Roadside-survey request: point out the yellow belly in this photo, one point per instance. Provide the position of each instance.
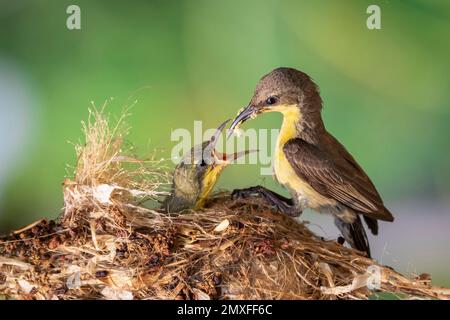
(283, 171)
(305, 195)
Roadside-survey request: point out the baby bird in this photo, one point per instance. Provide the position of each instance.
(197, 173)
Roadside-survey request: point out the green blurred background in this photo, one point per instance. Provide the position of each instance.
(386, 95)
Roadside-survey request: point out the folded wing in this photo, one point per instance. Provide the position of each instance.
(336, 177)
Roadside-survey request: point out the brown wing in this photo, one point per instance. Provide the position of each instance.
(338, 177)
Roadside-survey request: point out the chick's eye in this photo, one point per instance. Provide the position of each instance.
(271, 100)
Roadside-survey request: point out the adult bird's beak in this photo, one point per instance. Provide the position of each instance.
(244, 114)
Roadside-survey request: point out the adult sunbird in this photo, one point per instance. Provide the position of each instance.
(197, 173)
(310, 163)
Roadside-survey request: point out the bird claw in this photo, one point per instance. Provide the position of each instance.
(243, 193)
(270, 198)
(251, 192)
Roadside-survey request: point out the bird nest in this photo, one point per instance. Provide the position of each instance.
(108, 244)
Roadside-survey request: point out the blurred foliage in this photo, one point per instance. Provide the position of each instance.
(386, 92)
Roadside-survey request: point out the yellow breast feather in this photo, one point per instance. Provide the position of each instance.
(284, 173)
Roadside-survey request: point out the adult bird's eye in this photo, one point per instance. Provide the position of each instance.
(271, 100)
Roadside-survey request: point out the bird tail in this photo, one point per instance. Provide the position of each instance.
(372, 224)
(354, 234)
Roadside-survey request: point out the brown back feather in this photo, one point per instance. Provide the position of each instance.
(336, 175)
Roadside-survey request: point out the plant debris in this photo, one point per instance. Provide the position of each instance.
(107, 245)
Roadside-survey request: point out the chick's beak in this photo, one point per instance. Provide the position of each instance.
(216, 135)
(223, 159)
(248, 112)
(210, 151)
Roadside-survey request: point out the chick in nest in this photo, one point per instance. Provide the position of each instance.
(197, 173)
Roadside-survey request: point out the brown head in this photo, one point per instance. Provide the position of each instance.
(284, 90)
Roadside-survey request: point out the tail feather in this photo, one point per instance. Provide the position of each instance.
(372, 224)
(354, 234)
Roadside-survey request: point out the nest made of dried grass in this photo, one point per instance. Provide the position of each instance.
(107, 245)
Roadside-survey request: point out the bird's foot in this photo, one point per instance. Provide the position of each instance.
(280, 203)
(252, 192)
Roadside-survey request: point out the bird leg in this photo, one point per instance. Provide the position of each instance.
(282, 204)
